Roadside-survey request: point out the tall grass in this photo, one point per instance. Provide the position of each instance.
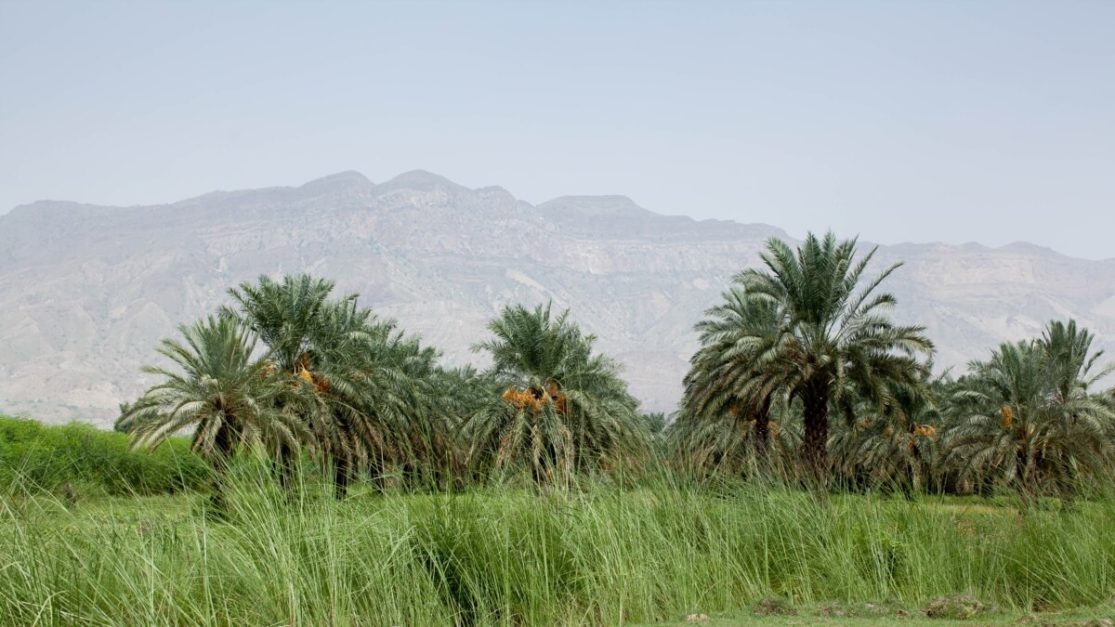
(653, 548)
(512, 557)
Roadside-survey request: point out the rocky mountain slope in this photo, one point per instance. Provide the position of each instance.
(86, 291)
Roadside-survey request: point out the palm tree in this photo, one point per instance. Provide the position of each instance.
(333, 383)
(722, 385)
(407, 414)
(1026, 417)
(362, 388)
(1071, 360)
(562, 408)
(893, 445)
(285, 315)
(217, 387)
(1081, 415)
(655, 422)
(997, 409)
(835, 342)
(458, 394)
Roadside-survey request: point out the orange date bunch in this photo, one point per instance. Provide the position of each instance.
(536, 398)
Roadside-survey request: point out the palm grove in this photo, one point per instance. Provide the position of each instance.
(801, 377)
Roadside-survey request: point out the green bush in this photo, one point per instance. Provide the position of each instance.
(39, 457)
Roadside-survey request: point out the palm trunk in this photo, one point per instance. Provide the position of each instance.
(342, 475)
(1026, 483)
(762, 437)
(915, 484)
(815, 397)
(285, 467)
(375, 473)
(222, 453)
(915, 466)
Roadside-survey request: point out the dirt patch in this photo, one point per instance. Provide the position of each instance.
(774, 607)
(959, 607)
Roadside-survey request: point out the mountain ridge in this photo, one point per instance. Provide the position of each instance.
(624, 202)
(87, 290)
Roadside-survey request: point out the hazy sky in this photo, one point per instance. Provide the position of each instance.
(900, 121)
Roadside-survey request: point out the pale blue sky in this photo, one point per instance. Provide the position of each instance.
(900, 121)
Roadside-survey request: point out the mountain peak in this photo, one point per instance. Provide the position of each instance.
(420, 180)
(338, 181)
(597, 206)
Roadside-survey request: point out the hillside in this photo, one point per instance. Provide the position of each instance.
(86, 291)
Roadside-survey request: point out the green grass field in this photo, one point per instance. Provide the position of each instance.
(489, 557)
(660, 553)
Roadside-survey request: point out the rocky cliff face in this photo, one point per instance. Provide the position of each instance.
(86, 291)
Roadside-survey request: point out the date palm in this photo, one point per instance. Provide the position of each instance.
(836, 341)
(997, 409)
(357, 383)
(285, 316)
(1026, 417)
(216, 385)
(893, 445)
(561, 408)
(1082, 419)
(457, 394)
(1072, 363)
(406, 414)
(337, 388)
(727, 402)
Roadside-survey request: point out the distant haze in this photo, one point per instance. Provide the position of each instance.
(943, 121)
(87, 291)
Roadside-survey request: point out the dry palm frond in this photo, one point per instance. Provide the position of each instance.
(1007, 416)
(925, 431)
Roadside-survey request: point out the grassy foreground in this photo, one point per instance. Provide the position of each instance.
(92, 533)
(487, 557)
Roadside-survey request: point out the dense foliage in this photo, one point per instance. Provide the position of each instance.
(562, 408)
(78, 460)
(801, 362)
(802, 376)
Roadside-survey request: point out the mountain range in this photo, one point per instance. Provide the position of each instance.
(86, 291)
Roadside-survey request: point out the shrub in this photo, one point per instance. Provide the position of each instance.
(39, 457)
